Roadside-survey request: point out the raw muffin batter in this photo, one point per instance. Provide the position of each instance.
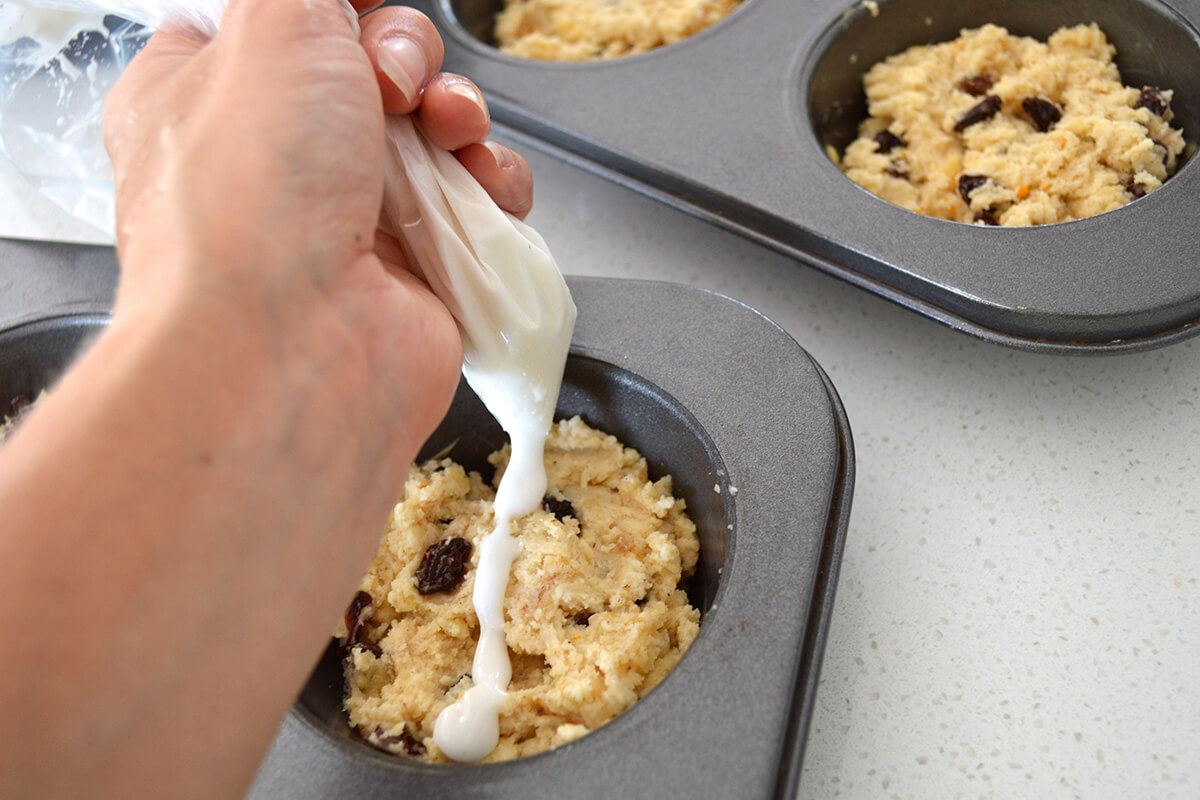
(587, 30)
(1002, 130)
(18, 407)
(596, 616)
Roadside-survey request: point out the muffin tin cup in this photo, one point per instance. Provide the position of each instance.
(731, 125)
(757, 443)
(34, 354)
(710, 392)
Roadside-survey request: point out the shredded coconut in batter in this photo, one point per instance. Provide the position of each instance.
(587, 30)
(595, 614)
(1002, 130)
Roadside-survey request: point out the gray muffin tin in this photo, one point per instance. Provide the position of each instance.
(730, 125)
(712, 393)
(35, 354)
(755, 438)
(53, 299)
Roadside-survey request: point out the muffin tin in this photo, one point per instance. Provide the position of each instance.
(35, 354)
(755, 438)
(731, 125)
(709, 391)
(53, 299)
(40, 280)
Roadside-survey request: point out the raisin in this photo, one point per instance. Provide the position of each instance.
(1151, 98)
(976, 85)
(18, 408)
(404, 743)
(19, 405)
(967, 184)
(1134, 188)
(985, 109)
(561, 509)
(898, 169)
(987, 217)
(373, 649)
(1042, 112)
(886, 141)
(357, 613)
(412, 745)
(443, 566)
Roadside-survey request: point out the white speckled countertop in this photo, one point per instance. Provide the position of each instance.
(1018, 612)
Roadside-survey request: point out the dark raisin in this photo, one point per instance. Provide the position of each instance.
(898, 169)
(19, 405)
(371, 648)
(976, 85)
(18, 408)
(987, 217)
(404, 743)
(967, 184)
(561, 509)
(886, 141)
(1152, 99)
(412, 745)
(357, 613)
(985, 109)
(1163, 154)
(443, 566)
(1042, 112)
(582, 618)
(1134, 188)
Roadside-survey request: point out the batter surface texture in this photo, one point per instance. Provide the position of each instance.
(595, 614)
(997, 129)
(17, 408)
(588, 30)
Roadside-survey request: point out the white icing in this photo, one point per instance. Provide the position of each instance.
(514, 311)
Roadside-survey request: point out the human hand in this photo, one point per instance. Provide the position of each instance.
(253, 165)
(217, 469)
(213, 118)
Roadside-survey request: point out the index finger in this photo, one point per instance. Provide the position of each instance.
(407, 52)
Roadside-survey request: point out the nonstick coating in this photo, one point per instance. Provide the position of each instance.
(667, 369)
(730, 125)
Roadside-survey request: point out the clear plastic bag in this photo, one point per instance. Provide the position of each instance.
(55, 69)
(58, 59)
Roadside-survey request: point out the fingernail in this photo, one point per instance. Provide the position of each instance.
(464, 88)
(502, 155)
(402, 60)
